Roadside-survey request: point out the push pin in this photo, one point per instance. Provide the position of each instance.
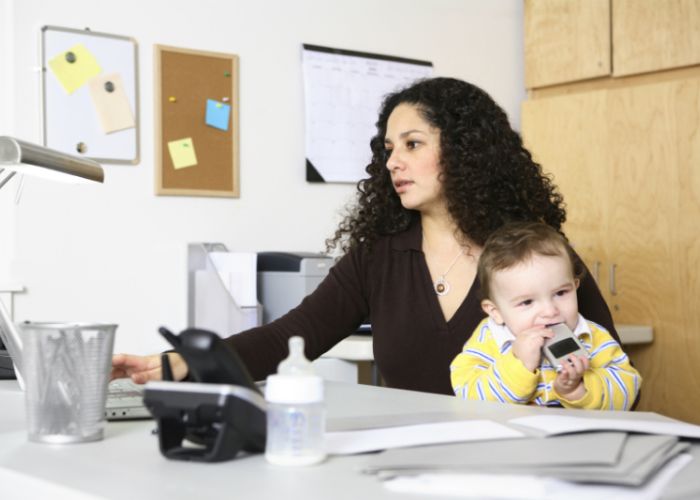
(172, 99)
(109, 87)
(227, 73)
(219, 105)
(225, 99)
(70, 57)
(81, 147)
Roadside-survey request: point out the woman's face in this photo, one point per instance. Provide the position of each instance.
(413, 151)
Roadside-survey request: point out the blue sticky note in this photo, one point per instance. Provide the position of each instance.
(218, 114)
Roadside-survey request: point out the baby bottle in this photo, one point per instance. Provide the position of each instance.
(295, 412)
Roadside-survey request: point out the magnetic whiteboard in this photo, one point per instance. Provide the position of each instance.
(70, 120)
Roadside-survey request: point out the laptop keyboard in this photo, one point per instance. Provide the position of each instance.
(123, 391)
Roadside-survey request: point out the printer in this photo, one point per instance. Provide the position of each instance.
(285, 278)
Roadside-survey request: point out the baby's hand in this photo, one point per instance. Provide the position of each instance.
(569, 381)
(527, 346)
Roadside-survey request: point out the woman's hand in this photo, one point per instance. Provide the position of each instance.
(569, 381)
(141, 369)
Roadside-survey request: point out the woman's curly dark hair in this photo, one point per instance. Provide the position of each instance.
(488, 177)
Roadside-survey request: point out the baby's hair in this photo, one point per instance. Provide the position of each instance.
(516, 242)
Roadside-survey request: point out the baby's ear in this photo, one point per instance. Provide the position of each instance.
(577, 282)
(491, 309)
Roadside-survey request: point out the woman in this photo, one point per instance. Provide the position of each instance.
(446, 171)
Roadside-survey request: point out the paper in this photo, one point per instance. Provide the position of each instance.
(74, 67)
(602, 448)
(523, 487)
(348, 442)
(111, 103)
(555, 424)
(182, 153)
(596, 458)
(239, 272)
(218, 114)
(342, 95)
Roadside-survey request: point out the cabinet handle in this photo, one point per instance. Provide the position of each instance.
(596, 271)
(611, 283)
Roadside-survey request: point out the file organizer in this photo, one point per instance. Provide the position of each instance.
(210, 304)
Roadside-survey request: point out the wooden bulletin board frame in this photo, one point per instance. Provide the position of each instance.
(184, 80)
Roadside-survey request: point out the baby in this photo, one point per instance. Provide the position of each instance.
(528, 282)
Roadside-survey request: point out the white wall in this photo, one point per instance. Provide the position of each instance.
(115, 252)
(7, 206)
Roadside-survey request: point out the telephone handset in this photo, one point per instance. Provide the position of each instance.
(222, 411)
(209, 358)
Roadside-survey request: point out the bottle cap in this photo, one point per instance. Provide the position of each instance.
(295, 381)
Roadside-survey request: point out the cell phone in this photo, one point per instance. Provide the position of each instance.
(562, 345)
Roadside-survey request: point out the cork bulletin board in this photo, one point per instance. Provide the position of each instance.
(197, 127)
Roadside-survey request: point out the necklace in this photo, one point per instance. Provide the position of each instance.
(441, 286)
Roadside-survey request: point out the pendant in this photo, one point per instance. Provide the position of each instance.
(441, 286)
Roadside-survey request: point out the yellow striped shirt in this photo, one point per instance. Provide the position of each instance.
(487, 370)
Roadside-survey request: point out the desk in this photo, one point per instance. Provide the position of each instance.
(128, 465)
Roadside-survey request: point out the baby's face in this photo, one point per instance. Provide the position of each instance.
(537, 292)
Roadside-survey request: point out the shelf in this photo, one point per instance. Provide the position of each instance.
(635, 334)
(353, 348)
(359, 347)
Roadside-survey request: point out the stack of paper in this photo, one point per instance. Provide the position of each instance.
(583, 457)
(602, 457)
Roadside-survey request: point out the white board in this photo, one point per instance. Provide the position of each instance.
(71, 119)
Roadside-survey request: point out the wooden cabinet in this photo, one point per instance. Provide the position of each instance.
(654, 35)
(573, 40)
(566, 41)
(626, 160)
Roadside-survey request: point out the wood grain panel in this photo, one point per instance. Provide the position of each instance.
(656, 160)
(568, 143)
(566, 41)
(627, 161)
(654, 35)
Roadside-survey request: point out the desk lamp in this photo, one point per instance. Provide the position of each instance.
(25, 158)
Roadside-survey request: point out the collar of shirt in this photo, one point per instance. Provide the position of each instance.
(502, 334)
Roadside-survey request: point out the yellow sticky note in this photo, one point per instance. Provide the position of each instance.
(182, 153)
(74, 67)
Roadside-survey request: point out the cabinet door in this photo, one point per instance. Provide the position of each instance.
(626, 160)
(652, 36)
(566, 41)
(568, 136)
(655, 237)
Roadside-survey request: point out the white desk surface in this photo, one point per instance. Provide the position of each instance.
(128, 465)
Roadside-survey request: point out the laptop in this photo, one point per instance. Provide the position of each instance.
(124, 398)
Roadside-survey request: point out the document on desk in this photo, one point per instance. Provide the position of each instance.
(559, 424)
(361, 441)
(521, 486)
(599, 458)
(599, 449)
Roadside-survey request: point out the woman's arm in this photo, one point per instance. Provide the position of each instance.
(324, 318)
